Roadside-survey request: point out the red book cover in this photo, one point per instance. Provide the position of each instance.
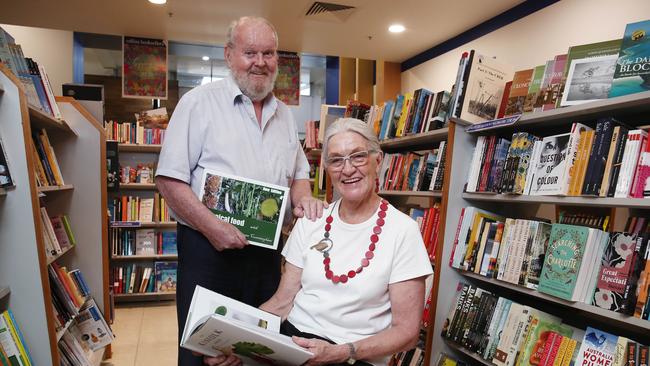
(434, 235)
(487, 164)
(460, 223)
(504, 100)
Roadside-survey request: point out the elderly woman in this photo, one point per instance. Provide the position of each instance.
(353, 285)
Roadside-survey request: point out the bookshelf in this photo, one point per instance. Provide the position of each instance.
(78, 143)
(131, 155)
(629, 109)
(424, 141)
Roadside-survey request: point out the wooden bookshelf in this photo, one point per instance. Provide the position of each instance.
(168, 257)
(436, 194)
(139, 148)
(40, 120)
(476, 359)
(559, 200)
(56, 257)
(3, 192)
(66, 187)
(138, 186)
(421, 140)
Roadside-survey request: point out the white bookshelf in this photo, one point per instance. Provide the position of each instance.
(78, 142)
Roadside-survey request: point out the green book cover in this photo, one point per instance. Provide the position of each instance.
(632, 74)
(586, 51)
(563, 259)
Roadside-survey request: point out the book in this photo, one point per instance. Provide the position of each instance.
(145, 242)
(91, 328)
(11, 342)
(534, 88)
(255, 208)
(485, 87)
(169, 243)
(563, 260)
(5, 175)
(616, 264)
(218, 325)
(518, 92)
(632, 74)
(597, 348)
(154, 118)
(165, 276)
(579, 56)
(550, 169)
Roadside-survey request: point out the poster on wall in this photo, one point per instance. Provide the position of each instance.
(144, 68)
(287, 84)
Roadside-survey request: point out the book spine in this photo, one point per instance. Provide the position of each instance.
(592, 160)
(617, 162)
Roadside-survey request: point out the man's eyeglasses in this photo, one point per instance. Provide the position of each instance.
(357, 159)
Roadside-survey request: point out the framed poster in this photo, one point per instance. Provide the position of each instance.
(144, 68)
(287, 84)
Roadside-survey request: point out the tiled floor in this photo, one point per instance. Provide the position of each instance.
(145, 335)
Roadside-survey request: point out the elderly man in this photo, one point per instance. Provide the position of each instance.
(234, 126)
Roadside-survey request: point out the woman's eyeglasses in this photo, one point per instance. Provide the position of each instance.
(357, 159)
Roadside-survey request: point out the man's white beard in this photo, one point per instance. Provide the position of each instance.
(250, 89)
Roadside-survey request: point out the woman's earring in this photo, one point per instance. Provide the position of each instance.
(376, 185)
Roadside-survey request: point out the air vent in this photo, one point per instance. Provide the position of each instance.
(329, 11)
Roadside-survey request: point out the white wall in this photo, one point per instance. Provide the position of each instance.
(50, 48)
(308, 110)
(532, 40)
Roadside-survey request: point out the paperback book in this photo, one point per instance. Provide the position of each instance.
(253, 207)
(632, 74)
(218, 325)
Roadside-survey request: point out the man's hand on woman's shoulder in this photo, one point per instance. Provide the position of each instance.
(310, 207)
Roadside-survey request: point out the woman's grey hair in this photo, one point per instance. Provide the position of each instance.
(232, 29)
(351, 125)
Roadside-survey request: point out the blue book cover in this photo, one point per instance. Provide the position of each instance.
(563, 260)
(386, 119)
(165, 276)
(632, 74)
(420, 111)
(169, 242)
(597, 348)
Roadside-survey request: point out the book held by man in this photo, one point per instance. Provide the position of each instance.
(218, 325)
(255, 208)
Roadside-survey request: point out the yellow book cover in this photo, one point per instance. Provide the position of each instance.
(408, 98)
(576, 165)
(54, 164)
(41, 177)
(567, 357)
(562, 351)
(584, 162)
(477, 224)
(16, 338)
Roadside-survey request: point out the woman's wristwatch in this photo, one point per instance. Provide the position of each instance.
(353, 354)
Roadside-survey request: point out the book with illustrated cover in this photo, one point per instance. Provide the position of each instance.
(485, 86)
(155, 118)
(534, 88)
(563, 260)
(145, 242)
(597, 348)
(632, 73)
(169, 242)
(253, 207)
(614, 271)
(91, 328)
(550, 168)
(518, 92)
(165, 276)
(218, 325)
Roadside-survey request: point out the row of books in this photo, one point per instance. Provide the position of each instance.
(5, 175)
(69, 293)
(486, 89)
(135, 278)
(410, 113)
(414, 171)
(125, 242)
(32, 76)
(448, 360)
(13, 348)
(134, 208)
(88, 333)
(575, 263)
(507, 333)
(133, 133)
(428, 220)
(57, 233)
(610, 161)
(46, 166)
(311, 135)
(141, 173)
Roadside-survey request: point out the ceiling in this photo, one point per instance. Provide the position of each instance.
(361, 32)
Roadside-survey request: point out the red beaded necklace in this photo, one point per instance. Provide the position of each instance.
(365, 261)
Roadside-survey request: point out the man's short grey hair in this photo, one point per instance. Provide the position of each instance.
(232, 29)
(351, 125)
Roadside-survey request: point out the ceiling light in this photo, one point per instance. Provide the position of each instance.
(158, 2)
(205, 58)
(396, 28)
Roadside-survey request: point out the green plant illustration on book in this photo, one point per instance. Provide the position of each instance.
(255, 351)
